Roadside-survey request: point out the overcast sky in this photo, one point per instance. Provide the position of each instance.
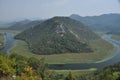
(37, 9)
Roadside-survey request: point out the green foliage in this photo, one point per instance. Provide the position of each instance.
(7, 66)
(108, 73)
(2, 40)
(33, 62)
(16, 67)
(70, 77)
(18, 57)
(33, 69)
(58, 35)
(22, 67)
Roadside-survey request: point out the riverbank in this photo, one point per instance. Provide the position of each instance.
(9, 42)
(111, 53)
(109, 56)
(68, 61)
(3, 38)
(116, 37)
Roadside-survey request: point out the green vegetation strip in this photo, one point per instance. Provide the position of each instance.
(76, 72)
(2, 40)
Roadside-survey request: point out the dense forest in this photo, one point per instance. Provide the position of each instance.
(21, 68)
(17, 67)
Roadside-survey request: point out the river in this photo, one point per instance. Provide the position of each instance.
(74, 66)
(9, 42)
(77, 66)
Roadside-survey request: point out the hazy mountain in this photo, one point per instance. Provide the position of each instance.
(58, 35)
(106, 22)
(5, 24)
(25, 24)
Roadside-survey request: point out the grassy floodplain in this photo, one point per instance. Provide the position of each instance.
(101, 52)
(116, 37)
(75, 72)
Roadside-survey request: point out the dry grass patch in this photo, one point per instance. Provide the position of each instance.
(116, 37)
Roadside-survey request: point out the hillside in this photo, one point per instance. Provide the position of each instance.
(105, 22)
(58, 35)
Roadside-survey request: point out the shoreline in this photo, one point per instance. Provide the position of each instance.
(90, 62)
(109, 57)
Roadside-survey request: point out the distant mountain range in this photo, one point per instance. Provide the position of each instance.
(25, 24)
(106, 22)
(19, 25)
(58, 35)
(4, 25)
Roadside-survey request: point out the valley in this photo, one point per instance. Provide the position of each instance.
(22, 48)
(100, 53)
(59, 39)
(66, 45)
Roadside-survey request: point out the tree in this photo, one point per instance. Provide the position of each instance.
(29, 74)
(70, 77)
(7, 66)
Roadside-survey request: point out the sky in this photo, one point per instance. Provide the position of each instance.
(42, 9)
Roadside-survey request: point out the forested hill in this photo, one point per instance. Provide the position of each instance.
(105, 22)
(58, 35)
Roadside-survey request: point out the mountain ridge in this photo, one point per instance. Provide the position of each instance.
(105, 22)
